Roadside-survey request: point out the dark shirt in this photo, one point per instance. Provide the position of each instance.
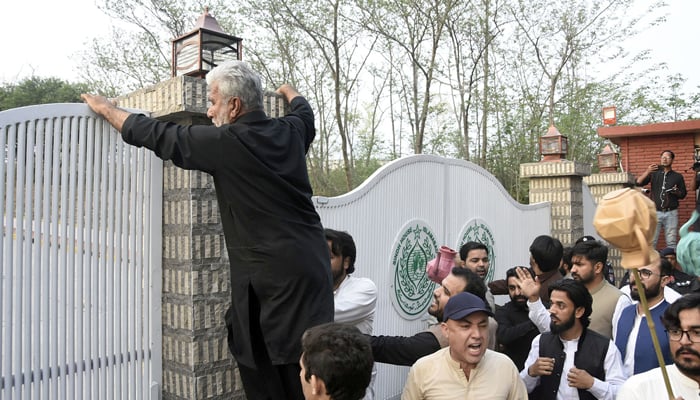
(277, 250)
(662, 182)
(546, 279)
(403, 350)
(515, 332)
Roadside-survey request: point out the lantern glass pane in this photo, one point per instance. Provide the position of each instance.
(217, 49)
(187, 56)
(550, 145)
(605, 161)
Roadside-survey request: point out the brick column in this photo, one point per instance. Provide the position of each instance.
(560, 183)
(600, 185)
(196, 293)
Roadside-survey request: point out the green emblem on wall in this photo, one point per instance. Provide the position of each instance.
(413, 291)
(477, 230)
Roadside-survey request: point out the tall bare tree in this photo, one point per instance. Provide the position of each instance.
(417, 28)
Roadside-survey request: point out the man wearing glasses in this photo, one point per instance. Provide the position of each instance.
(631, 332)
(682, 322)
(667, 187)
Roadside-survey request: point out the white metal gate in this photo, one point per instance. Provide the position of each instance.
(81, 258)
(452, 200)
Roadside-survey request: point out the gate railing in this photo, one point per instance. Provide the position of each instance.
(81, 258)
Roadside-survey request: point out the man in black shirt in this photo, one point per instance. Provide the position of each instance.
(667, 187)
(515, 329)
(280, 274)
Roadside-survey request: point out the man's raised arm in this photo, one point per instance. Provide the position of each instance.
(106, 109)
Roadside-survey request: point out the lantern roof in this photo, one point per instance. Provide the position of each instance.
(552, 131)
(206, 21)
(607, 150)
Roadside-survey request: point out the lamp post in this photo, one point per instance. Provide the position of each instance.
(553, 145)
(198, 52)
(608, 160)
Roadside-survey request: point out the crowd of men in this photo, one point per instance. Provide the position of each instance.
(300, 324)
(578, 338)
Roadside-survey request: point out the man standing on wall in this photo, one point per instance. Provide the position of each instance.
(280, 273)
(667, 187)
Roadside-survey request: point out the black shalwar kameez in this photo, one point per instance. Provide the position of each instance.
(280, 275)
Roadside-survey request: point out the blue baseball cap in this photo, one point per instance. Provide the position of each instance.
(464, 304)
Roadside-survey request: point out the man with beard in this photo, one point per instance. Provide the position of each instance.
(631, 332)
(475, 256)
(588, 260)
(406, 350)
(679, 282)
(466, 369)
(572, 361)
(682, 322)
(354, 299)
(515, 330)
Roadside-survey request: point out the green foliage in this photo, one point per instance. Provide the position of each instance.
(653, 96)
(479, 80)
(35, 90)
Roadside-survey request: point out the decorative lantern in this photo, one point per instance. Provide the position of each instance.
(198, 52)
(553, 145)
(609, 115)
(608, 160)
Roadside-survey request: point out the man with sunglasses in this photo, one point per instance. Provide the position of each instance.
(682, 322)
(631, 332)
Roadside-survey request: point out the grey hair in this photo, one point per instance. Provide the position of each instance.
(236, 79)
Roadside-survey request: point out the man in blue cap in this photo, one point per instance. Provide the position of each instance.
(441, 375)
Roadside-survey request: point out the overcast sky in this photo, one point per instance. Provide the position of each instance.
(42, 37)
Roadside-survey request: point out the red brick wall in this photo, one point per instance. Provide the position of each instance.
(638, 152)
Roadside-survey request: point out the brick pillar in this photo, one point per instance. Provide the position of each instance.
(196, 293)
(600, 185)
(560, 183)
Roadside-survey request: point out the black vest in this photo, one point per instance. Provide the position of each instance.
(590, 356)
